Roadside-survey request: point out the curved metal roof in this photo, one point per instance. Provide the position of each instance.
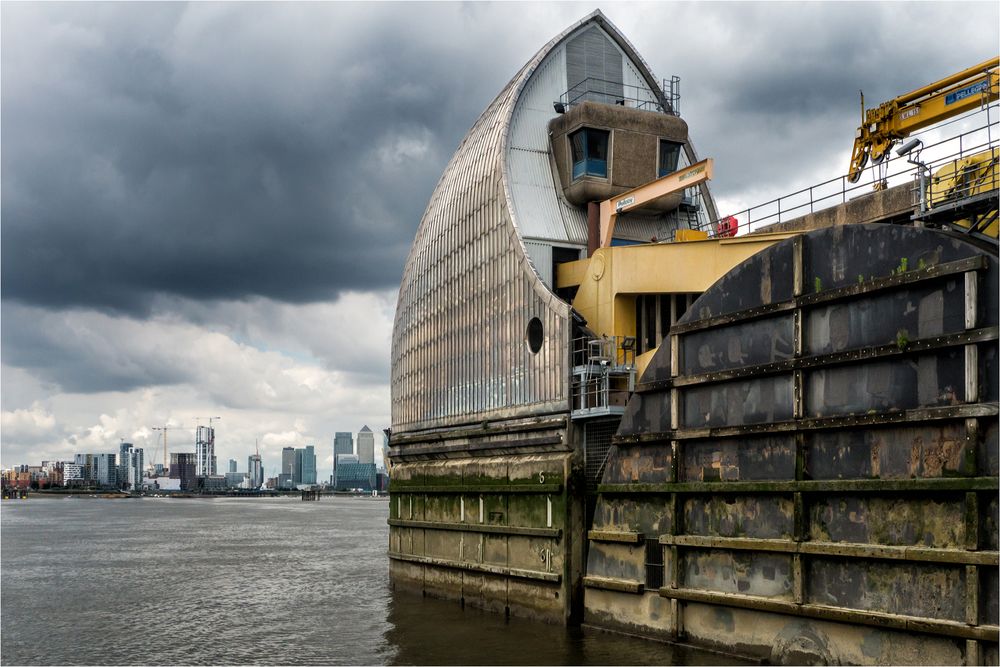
(460, 350)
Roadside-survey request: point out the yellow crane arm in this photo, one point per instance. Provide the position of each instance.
(891, 121)
(681, 179)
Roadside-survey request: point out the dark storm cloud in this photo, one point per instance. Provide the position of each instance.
(223, 151)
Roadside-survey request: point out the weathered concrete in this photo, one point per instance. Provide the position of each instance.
(894, 204)
(488, 526)
(633, 150)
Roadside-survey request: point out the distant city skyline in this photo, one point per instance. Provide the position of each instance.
(131, 462)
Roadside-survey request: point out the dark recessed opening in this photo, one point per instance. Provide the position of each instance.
(534, 335)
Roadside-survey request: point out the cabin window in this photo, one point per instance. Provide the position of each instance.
(670, 152)
(589, 148)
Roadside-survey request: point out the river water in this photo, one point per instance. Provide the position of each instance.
(90, 581)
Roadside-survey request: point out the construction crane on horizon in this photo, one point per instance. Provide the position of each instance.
(164, 429)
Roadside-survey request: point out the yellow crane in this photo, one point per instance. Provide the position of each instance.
(897, 118)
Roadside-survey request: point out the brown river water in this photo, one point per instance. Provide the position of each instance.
(240, 581)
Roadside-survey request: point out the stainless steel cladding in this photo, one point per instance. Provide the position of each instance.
(478, 334)
(460, 342)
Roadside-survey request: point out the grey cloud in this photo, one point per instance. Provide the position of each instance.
(226, 151)
(770, 90)
(208, 162)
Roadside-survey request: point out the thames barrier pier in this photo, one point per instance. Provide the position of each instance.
(612, 406)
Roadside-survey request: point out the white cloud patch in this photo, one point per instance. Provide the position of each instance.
(30, 425)
(280, 374)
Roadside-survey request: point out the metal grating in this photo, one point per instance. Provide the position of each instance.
(597, 445)
(654, 564)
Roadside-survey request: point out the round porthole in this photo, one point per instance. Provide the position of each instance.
(534, 335)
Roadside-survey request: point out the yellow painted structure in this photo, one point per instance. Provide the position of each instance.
(968, 177)
(895, 119)
(690, 235)
(648, 193)
(609, 281)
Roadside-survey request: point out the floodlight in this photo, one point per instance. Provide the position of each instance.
(909, 146)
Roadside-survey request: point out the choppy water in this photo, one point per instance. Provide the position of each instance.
(246, 581)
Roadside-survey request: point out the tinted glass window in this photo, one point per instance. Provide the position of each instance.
(589, 149)
(670, 152)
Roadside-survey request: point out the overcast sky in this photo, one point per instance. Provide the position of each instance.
(206, 207)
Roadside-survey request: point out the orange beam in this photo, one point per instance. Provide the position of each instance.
(684, 178)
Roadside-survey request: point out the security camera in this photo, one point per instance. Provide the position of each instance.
(909, 146)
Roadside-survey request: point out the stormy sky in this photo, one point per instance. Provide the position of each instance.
(206, 207)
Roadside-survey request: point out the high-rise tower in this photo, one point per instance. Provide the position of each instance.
(366, 445)
(343, 443)
(204, 447)
(255, 471)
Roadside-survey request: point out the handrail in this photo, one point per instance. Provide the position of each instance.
(593, 87)
(837, 190)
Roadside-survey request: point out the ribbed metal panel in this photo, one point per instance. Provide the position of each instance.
(636, 85)
(533, 186)
(468, 292)
(637, 226)
(536, 202)
(533, 111)
(541, 257)
(591, 54)
(575, 220)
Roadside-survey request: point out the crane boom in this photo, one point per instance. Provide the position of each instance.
(897, 118)
(166, 428)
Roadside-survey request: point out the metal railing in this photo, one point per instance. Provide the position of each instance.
(612, 351)
(960, 178)
(897, 170)
(604, 91)
(603, 375)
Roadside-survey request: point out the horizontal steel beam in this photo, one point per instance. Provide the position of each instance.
(483, 430)
(477, 488)
(838, 549)
(809, 486)
(975, 263)
(835, 359)
(819, 423)
(839, 614)
(614, 536)
(613, 584)
(491, 529)
(499, 570)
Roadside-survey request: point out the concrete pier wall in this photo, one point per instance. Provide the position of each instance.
(490, 517)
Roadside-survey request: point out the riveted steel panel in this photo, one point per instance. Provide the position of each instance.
(836, 416)
(916, 589)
